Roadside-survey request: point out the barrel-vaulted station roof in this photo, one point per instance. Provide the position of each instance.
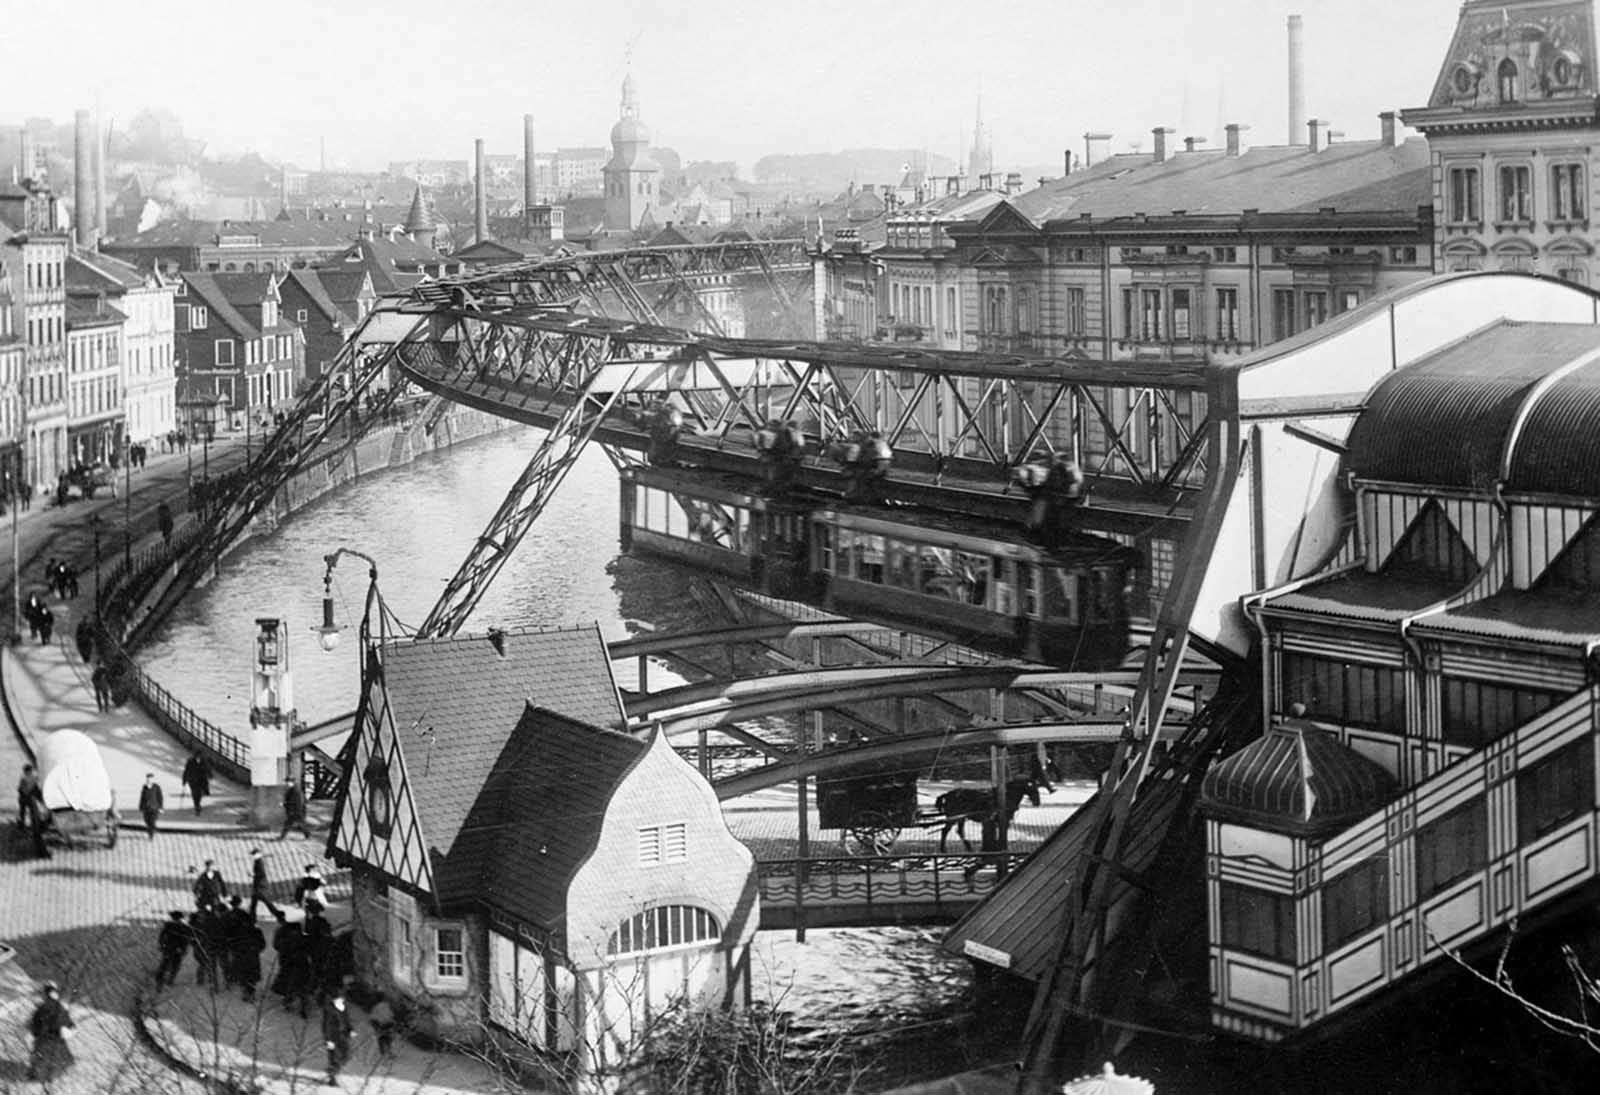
(1517, 396)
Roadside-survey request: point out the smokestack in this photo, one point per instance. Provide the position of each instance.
(1160, 132)
(99, 163)
(530, 186)
(25, 157)
(481, 193)
(82, 188)
(1391, 136)
(1297, 81)
(1066, 163)
(1234, 129)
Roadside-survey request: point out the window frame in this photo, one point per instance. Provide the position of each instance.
(436, 978)
(1464, 194)
(1568, 180)
(1227, 297)
(1354, 902)
(1514, 203)
(217, 352)
(1257, 922)
(1554, 790)
(1440, 848)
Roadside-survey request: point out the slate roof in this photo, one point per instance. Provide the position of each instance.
(539, 815)
(1297, 779)
(1348, 175)
(272, 233)
(311, 284)
(226, 293)
(456, 704)
(91, 270)
(82, 313)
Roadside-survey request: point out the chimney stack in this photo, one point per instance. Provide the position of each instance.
(1319, 134)
(99, 162)
(1013, 182)
(1160, 132)
(480, 193)
(1297, 81)
(1191, 143)
(1390, 134)
(1095, 146)
(26, 156)
(1235, 145)
(1066, 163)
(530, 185)
(82, 188)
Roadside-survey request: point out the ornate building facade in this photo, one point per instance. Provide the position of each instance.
(1513, 127)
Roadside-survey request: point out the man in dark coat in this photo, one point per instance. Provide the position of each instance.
(236, 926)
(174, 942)
(197, 777)
(259, 884)
(248, 943)
(83, 637)
(293, 981)
(30, 796)
(308, 892)
(336, 1033)
(50, 1026)
(209, 888)
(206, 924)
(164, 522)
(294, 810)
(151, 803)
(100, 680)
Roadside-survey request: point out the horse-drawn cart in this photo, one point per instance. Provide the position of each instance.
(872, 810)
(78, 803)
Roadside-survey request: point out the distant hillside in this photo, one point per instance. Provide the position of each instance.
(831, 172)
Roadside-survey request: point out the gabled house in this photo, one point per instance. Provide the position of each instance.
(395, 265)
(523, 871)
(234, 344)
(146, 297)
(328, 305)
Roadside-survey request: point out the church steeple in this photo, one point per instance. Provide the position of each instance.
(420, 224)
(631, 175)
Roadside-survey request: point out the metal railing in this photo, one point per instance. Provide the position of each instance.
(936, 884)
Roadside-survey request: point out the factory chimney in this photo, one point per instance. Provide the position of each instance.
(101, 137)
(26, 156)
(1297, 81)
(481, 193)
(82, 188)
(530, 185)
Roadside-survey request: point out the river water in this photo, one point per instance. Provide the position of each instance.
(886, 988)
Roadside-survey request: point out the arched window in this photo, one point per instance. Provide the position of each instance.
(1508, 81)
(663, 927)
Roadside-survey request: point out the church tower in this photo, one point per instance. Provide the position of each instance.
(1513, 127)
(631, 176)
(420, 224)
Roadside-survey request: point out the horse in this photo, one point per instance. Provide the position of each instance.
(962, 804)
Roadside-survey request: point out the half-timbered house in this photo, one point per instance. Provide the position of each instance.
(522, 869)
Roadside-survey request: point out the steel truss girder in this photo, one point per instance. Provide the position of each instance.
(318, 414)
(526, 499)
(1137, 434)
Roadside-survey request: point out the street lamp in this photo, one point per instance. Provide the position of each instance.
(328, 633)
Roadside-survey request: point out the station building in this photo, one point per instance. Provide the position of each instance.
(523, 872)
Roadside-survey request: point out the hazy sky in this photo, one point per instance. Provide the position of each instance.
(719, 79)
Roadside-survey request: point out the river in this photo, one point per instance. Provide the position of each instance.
(889, 987)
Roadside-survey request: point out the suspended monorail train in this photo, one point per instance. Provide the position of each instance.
(980, 583)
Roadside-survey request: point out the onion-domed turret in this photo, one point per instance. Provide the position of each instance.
(630, 174)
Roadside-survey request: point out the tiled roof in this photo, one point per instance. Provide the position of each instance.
(216, 299)
(1347, 175)
(539, 815)
(1295, 779)
(1444, 420)
(310, 283)
(272, 233)
(456, 702)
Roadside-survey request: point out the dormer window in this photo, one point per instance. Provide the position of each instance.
(1507, 75)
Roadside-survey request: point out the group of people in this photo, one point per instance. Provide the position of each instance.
(61, 577)
(866, 458)
(780, 446)
(41, 621)
(222, 935)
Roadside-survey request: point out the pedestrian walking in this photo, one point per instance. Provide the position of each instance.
(259, 884)
(69, 581)
(50, 1026)
(293, 981)
(325, 974)
(308, 892)
(100, 680)
(197, 777)
(47, 624)
(337, 1032)
(236, 925)
(209, 888)
(83, 637)
(30, 797)
(151, 803)
(173, 942)
(52, 575)
(383, 1025)
(164, 522)
(294, 811)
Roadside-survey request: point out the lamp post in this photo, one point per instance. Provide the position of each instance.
(328, 633)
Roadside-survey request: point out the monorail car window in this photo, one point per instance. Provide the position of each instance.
(824, 536)
(1062, 594)
(869, 560)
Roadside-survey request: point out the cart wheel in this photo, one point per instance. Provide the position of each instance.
(871, 832)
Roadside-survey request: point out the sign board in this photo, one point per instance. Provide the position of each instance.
(986, 954)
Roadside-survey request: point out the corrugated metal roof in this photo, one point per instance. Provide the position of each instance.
(1558, 616)
(1295, 779)
(1372, 598)
(1557, 451)
(1443, 420)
